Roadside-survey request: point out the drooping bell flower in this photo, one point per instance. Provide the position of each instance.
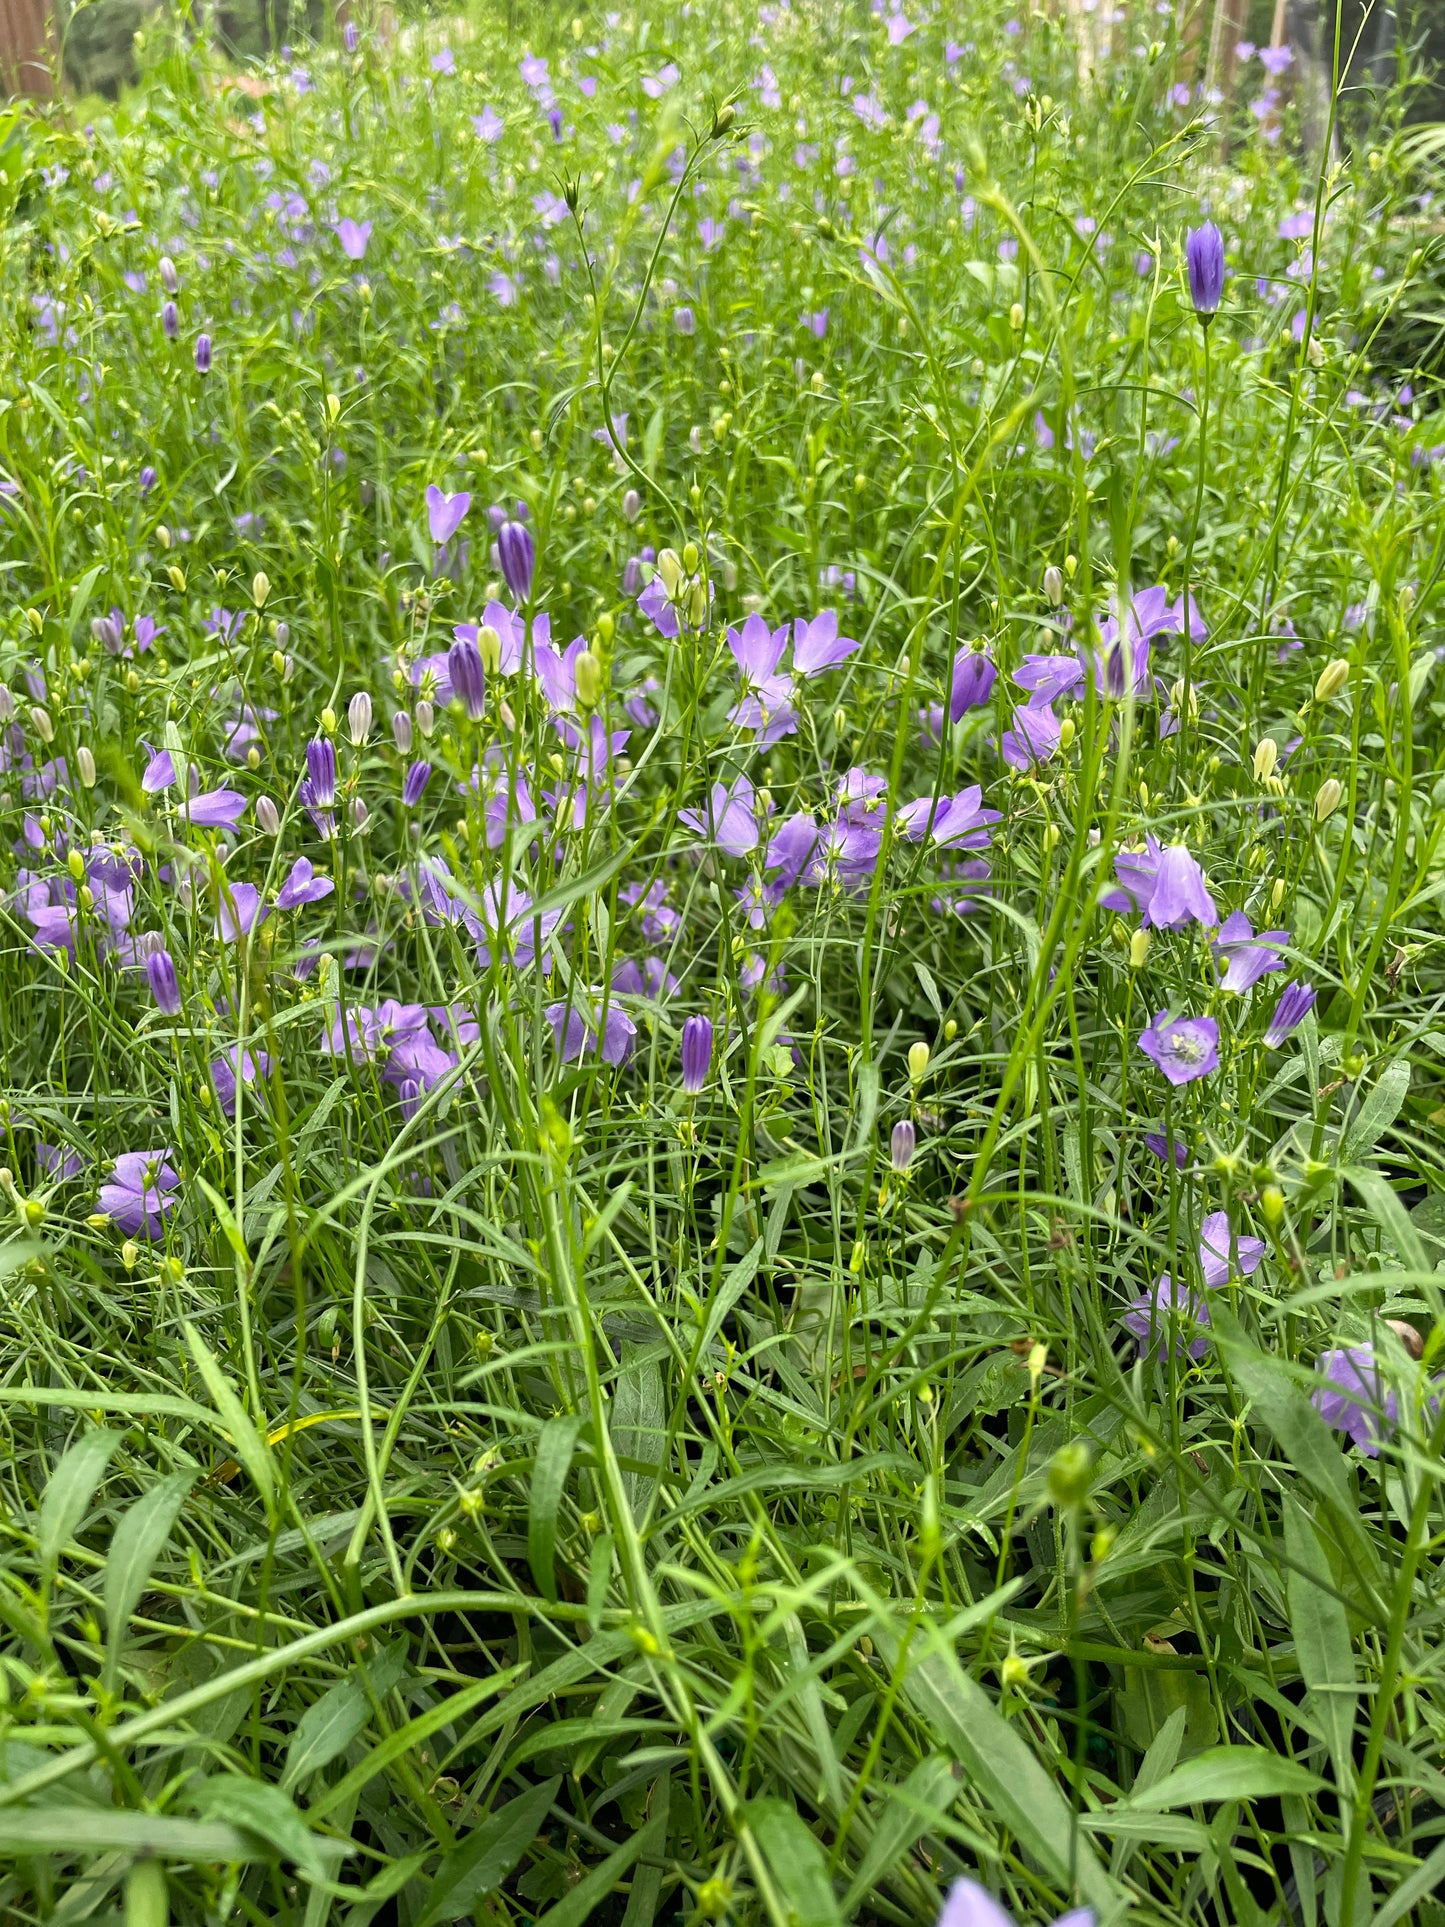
(164, 984)
(1296, 1001)
(974, 672)
(1179, 895)
(203, 354)
(696, 1053)
(517, 554)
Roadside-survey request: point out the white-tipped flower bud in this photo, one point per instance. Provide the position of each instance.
(1332, 680)
(358, 718)
(426, 720)
(1266, 758)
(85, 762)
(489, 648)
(268, 816)
(1054, 584)
(260, 588)
(44, 728)
(1327, 798)
(401, 731)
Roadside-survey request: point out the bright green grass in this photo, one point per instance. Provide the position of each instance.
(575, 1501)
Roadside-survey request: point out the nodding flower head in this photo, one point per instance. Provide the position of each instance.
(517, 554)
(696, 1053)
(321, 769)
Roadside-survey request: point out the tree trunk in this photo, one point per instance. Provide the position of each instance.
(26, 48)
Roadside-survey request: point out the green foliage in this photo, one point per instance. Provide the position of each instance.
(498, 1483)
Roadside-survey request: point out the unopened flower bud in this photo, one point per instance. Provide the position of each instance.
(177, 577)
(75, 863)
(260, 588)
(358, 718)
(902, 1143)
(1138, 949)
(268, 816)
(631, 505)
(1067, 732)
(129, 1253)
(1271, 1203)
(1327, 798)
(85, 762)
(1266, 757)
(1054, 584)
(1332, 679)
(1276, 893)
(1014, 1673)
(401, 731)
(489, 648)
(426, 720)
(918, 1055)
(1069, 1475)
(588, 671)
(44, 728)
(7, 704)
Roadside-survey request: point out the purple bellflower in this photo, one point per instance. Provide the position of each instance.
(164, 984)
(1204, 254)
(729, 818)
(1296, 1001)
(223, 1074)
(1351, 1397)
(1184, 1048)
(140, 1195)
(972, 681)
(517, 554)
(1245, 957)
(302, 886)
(203, 354)
(1150, 1316)
(970, 1905)
(1179, 895)
(414, 787)
(445, 512)
(353, 236)
(696, 1053)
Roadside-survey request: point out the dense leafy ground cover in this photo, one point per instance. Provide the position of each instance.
(743, 1266)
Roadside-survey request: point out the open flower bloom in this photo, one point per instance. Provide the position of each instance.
(609, 1032)
(1244, 957)
(1352, 1397)
(970, 1905)
(445, 512)
(1033, 739)
(140, 1194)
(1214, 1252)
(1184, 1048)
(1151, 1316)
(252, 1064)
(730, 820)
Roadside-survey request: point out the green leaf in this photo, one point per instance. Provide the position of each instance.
(485, 1858)
(728, 1293)
(796, 1861)
(134, 1549)
(246, 1441)
(637, 1422)
(1321, 1629)
(330, 1724)
(549, 1478)
(911, 1810)
(594, 1887)
(1379, 1110)
(69, 1492)
(1002, 1767)
(1225, 1773)
(267, 1813)
(94, 1830)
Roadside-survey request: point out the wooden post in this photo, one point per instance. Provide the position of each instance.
(26, 49)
